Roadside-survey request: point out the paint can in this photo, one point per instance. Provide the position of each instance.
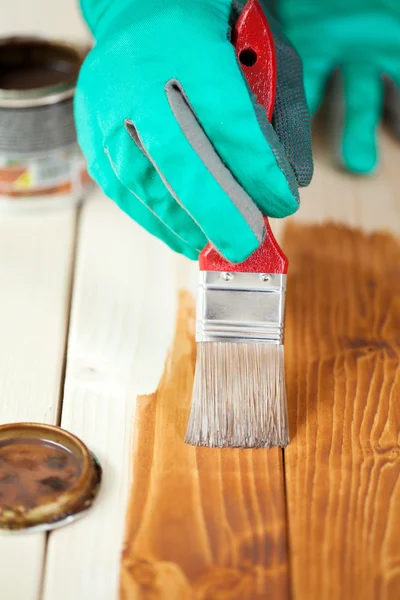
(40, 161)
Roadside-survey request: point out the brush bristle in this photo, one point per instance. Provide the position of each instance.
(239, 396)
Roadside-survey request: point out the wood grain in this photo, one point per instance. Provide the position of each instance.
(342, 359)
(201, 523)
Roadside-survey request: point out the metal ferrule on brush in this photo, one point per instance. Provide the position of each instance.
(240, 307)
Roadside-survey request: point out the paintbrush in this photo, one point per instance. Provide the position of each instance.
(239, 393)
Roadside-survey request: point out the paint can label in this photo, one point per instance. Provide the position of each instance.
(46, 174)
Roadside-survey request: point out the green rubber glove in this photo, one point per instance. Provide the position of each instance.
(170, 132)
(360, 39)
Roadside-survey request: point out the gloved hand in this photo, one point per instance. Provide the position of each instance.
(170, 132)
(362, 39)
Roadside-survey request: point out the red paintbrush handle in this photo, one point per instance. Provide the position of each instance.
(254, 45)
(268, 258)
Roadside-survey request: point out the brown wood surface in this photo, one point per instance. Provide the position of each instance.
(209, 524)
(342, 468)
(201, 523)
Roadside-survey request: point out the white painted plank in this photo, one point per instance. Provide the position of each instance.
(35, 268)
(21, 566)
(123, 318)
(35, 258)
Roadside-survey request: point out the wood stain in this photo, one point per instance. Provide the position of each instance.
(202, 523)
(342, 356)
(205, 523)
(39, 155)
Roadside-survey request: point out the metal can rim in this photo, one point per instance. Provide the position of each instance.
(41, 96)
(69, 504)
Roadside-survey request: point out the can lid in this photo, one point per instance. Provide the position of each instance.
(37, 72)
(47, 476)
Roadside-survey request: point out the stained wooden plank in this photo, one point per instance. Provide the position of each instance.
(122, 323)
(201, 523)
(342, 359)
(36, 256)
(343, 370)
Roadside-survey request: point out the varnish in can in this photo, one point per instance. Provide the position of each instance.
(40, 161)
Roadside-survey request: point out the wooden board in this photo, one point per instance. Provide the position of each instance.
(201, 523)
(122, 323)
(343, 376)
(36, 255)
(341, 477)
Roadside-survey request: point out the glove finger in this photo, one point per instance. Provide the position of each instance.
(358, 116)
(138, 175)
(316, 76)
(104, 175)
(101, 169)
(240, 133)
(392, 105)
(199, 181)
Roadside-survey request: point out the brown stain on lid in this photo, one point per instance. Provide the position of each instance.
(33, 472)
(46, 475)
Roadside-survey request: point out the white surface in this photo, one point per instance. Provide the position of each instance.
(52, 18)
(35, 270)
(21, 565)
